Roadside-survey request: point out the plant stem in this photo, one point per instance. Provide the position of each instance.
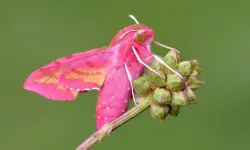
(99, 135)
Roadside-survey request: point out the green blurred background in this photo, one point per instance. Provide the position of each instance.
(215, 32)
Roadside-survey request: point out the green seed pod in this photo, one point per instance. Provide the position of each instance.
(142, 84)
(174, 111)
(174, 82)
(172, 59)
(179, 99)
(193, 83)
(159, 81)
(159, 112)
(155, 64)
(151, 73)
(185, 68)
(191, 96)
(157, 67)
(161, 96)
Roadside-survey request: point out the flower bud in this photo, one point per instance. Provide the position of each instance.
(172, 59)
(179, 99)
(159, 112)
(174, 82)
(142, 84)
(161, 96)
(191, 96)
(174, 111)
(194, 83)
(185, 68)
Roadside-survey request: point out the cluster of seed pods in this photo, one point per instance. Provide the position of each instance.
(171, 90)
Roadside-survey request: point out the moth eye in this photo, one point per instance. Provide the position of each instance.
(140, 37)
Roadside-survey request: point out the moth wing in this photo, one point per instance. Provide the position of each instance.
(47, 80)
(44, 81)
(90, 73)
(114, 97)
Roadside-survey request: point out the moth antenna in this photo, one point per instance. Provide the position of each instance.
(133, 18)
(165, 46)
(126, 33)
(166, 65)
(141, 62)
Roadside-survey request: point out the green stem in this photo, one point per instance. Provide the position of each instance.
(99, 135)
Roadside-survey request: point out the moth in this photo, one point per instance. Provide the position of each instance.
(110, 69)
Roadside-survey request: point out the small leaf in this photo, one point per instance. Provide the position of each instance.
(193, 83)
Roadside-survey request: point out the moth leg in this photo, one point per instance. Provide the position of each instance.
(131, 83)
(165, 46)
(141, 62)
(166, 65)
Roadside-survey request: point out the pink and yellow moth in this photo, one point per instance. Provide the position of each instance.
(110, 69)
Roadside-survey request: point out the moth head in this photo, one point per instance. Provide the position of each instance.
(138, 33)
(144, 35)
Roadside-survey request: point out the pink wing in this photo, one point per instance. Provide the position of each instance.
(114, 97)
(64, 78)
(44, 81)
(93, 71)
(88, 73)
